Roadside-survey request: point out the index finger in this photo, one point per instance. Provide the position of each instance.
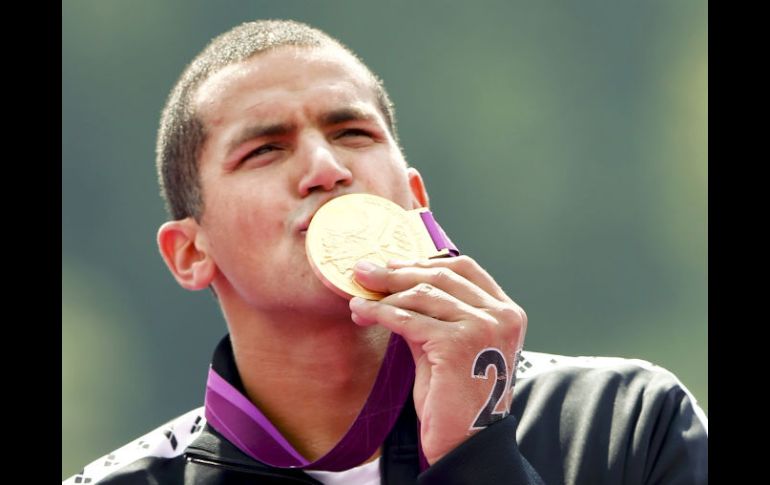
(464, 266)
(391, 281)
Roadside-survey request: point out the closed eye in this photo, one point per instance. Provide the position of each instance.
(262, 152)
(355, 137)
(353, 132)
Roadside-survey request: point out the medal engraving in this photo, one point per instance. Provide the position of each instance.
(358, 227)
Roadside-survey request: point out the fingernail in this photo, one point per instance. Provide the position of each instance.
(365, 266)
(357, 302)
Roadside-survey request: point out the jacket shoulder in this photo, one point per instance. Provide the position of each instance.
(630, 378)
(608, 420)
(164, 443)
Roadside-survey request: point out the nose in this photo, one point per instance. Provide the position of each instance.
(323, 170)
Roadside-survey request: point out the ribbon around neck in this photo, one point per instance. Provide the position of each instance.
(242, 423)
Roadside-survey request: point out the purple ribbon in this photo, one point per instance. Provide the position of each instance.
(440, 239)
(238, 419)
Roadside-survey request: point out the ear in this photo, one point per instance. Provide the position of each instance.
(417, 186)
(183, 246)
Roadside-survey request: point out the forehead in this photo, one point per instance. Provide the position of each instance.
(284, 78)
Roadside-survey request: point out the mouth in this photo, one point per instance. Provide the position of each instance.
(302, 228)
(304, 223)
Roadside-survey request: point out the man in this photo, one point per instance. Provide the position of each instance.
(272, 120)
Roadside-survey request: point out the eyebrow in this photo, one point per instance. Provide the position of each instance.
(346, 114)
(333, 117)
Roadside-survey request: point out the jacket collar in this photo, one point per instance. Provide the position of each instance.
(399, 463)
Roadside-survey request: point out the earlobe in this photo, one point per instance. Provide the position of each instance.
(184, 251)
(417, 186)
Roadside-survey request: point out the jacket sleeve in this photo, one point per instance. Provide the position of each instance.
(491, 456)
(678, 445)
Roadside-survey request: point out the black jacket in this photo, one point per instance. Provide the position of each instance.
(586, 420)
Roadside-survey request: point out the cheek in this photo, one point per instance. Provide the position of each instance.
(394, 185)
(243, 224)
(386, 177)
(251, 205)
(264, 222)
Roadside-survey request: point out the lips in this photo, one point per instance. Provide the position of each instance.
(305, 222)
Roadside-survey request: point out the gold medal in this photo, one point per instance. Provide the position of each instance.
(357, 227)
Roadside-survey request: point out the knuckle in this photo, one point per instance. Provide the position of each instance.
(509, 332)
(423, 289)
(513, 321)
(441, 275)
(513, 313)
(392, 280)
(403, 317)
(464, 262)
(508, 313)
(522, 316)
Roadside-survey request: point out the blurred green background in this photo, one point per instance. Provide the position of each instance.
(564, 145)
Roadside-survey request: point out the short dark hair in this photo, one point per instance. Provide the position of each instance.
(182, 133)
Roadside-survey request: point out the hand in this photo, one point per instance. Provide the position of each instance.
(457, 321)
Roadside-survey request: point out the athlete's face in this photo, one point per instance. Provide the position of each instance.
(286, 131)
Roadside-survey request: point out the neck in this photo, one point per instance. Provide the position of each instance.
(310, 377)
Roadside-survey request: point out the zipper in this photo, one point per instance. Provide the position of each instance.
(275, 473)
